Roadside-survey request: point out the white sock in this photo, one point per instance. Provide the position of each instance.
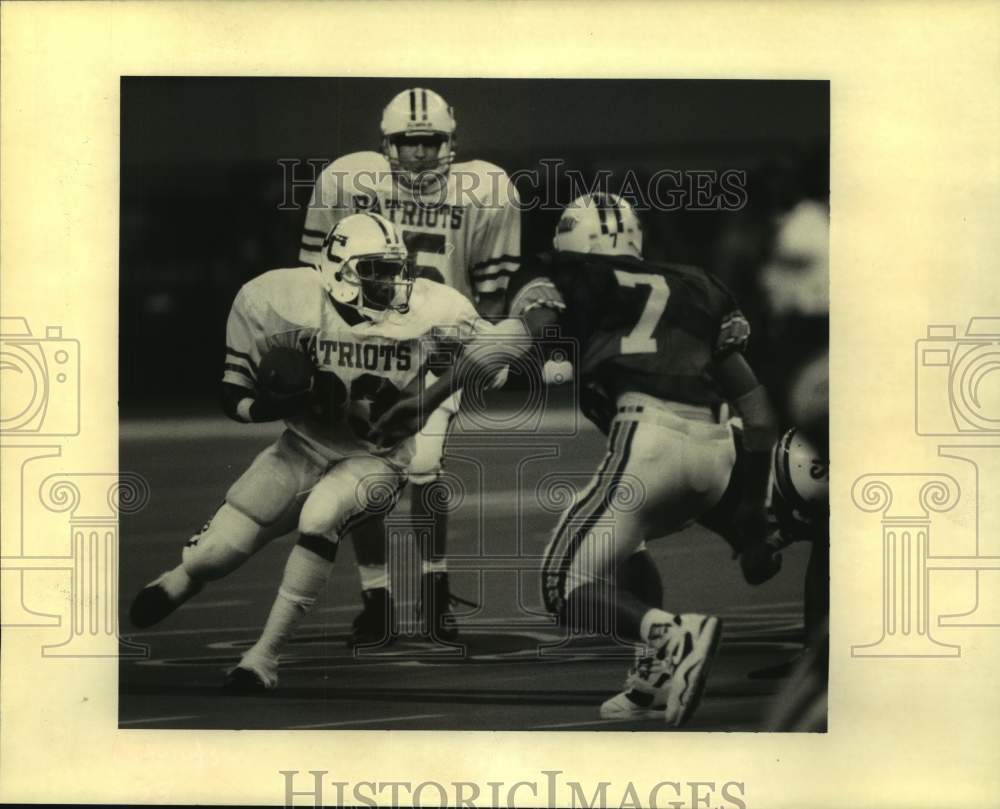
(305, 575)
(374, 576)
(178, 584)
(651, 619)
(437, 566)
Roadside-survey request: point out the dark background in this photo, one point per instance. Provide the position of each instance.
(201, 184)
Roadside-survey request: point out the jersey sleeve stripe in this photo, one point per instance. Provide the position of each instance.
(496, 260)
(231, 379)
(559, 306)
(311, 248)
(491, 285)
(492, 272)
(242, 373)
(315, 234)
(243, 356)
(540, 292)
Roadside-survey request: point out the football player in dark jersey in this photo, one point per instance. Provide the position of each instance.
(659, 353)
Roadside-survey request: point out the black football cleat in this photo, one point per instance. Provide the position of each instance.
(436, 601)
(241, 681)
(375, 624)
(153, 603)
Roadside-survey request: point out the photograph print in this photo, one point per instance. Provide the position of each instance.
(475, 404)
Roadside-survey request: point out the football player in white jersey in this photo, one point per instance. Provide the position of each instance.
(461, 224)
(363, 323)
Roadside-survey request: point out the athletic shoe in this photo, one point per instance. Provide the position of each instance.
(251, 676)
(161, 597)
(687, 645)
(436, 601)
(645, 691)
(376, 621)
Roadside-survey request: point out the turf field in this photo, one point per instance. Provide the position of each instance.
(513, 670)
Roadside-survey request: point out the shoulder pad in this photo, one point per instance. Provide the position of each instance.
(345, 170)
(437, 304)
(293, 295)
(491, 187)
(359, 161)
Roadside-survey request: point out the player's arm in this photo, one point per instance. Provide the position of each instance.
(242, 396)
(534, 304)
(740, 386)
(486, 352)
(495, 252)
(324, 211)
(253, 406)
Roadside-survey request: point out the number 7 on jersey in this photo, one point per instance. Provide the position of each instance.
(640, 340)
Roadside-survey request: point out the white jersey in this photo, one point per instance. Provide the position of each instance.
(466, 235)
(363, 366)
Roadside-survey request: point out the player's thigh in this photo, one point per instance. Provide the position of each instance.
(654, 481)
(227, 540)
(276, 483)
(353, 489)
(428, 451)
(678, 477)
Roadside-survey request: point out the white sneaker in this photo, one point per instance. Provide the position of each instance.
(688, 648)
(645, 691)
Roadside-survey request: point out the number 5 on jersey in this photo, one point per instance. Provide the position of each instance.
(640, 340)
(430, 251)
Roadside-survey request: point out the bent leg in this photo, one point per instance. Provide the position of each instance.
(429, 514)
(262, 505)
(353, 490)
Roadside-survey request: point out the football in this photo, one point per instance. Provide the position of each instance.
(285, 372)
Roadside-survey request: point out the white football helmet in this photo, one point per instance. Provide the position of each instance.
(423, 118)
(364, 263)
(801, 475)
(599, 223)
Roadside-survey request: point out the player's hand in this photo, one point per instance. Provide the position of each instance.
(760, 558)
(285, 380)
(270, 406)
(751, 522)
(405, 418)
(760, 561)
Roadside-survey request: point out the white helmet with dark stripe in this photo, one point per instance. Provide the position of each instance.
(419, 116)
(599, 223)
(364, 263)
(801, 476)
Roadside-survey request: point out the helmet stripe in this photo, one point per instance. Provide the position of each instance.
(423, 102)
(413, 105)
(601, 212)
(381, 227)
(618, 215)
